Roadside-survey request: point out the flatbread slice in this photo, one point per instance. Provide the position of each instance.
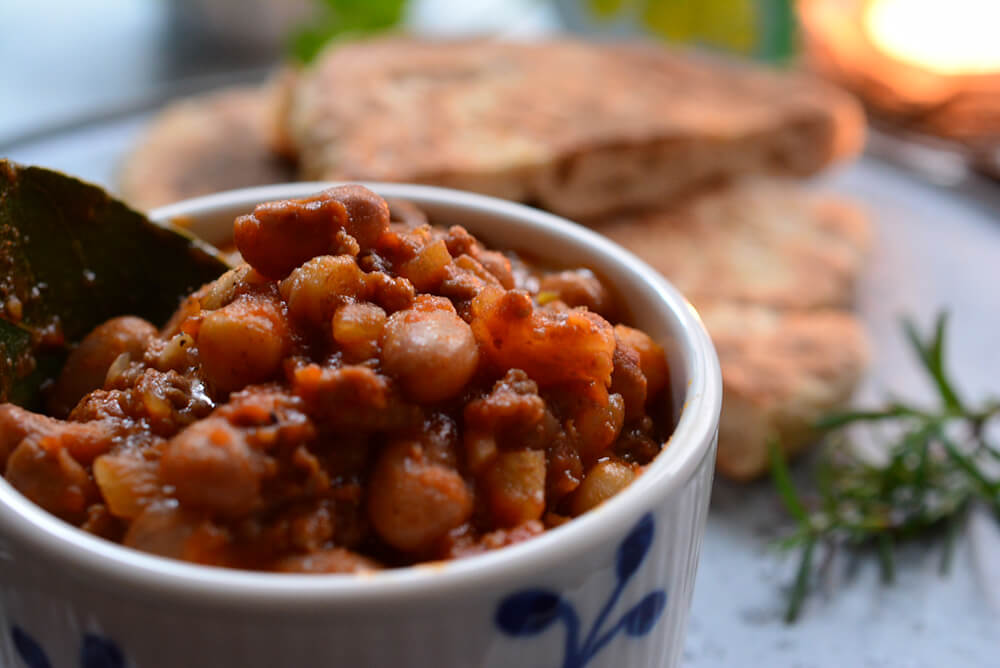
(579, 129)
(206, 144)
(781, 371)
(772, 269)
(758, 241)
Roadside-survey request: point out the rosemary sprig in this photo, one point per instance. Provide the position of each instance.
(939, 463)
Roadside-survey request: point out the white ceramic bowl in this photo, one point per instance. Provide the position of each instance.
(612, 588)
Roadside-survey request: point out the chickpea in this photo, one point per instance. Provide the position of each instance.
(243, 343)
(88, 364)
(430, 351)
(357, 329)
(428, 267)
(599, 418)
(604, 480)
(515, 487)
(211, 467)
(315, 290)
(413, 502)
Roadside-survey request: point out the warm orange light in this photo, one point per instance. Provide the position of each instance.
(948, 37)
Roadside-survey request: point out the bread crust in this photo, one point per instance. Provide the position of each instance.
(580, 129)
(772, 269)
(206, 144)
(758, 241)
(781, 371)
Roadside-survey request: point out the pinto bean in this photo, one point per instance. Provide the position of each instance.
(82, 440)
(88, 364)
(48, 475)
(15, 424)
(171, 531)
(367, 213)
(598, 418)
(279, 236)
(212, 468)
(578, 287)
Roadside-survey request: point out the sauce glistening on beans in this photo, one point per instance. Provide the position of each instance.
(362, 393)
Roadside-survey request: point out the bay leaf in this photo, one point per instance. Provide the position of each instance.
(71, 257)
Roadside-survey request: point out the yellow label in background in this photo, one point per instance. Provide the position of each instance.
(607, 8)
(762, 28)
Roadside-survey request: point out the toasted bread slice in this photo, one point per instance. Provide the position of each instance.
(759, 241)
(580, 129)
(772, 269)
(781, 371)
(205, 144)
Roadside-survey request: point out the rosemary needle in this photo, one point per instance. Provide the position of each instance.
(939, 463)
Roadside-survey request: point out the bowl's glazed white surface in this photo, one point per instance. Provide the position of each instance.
(610, 589)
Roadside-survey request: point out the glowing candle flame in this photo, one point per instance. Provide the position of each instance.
(953, 37)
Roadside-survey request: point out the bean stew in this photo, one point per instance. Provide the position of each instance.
(367, 390)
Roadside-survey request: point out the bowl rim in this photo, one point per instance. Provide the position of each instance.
(691, 443)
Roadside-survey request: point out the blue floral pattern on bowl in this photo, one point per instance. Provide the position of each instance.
(95, 651)
(524, 613)
(531, 611)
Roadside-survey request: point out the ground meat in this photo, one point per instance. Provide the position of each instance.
(628, 380)
(507, 415)
(363, 394)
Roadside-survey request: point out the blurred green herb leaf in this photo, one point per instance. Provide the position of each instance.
(939, 463)
(345, 18)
